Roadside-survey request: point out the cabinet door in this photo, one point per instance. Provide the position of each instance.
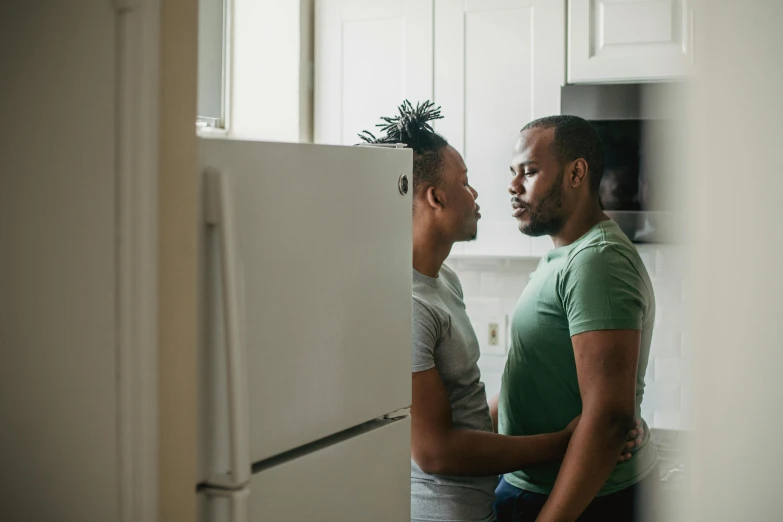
(370, 55)
(629, 40)
(498, 65)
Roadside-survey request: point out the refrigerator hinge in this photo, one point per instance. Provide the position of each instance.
(124, 6)
(239, 505)
(399, 414)
(224, 481)
(226, 493)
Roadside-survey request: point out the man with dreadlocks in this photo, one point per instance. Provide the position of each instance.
(456, 456)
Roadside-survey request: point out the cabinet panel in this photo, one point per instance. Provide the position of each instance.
(629, 40)
(369, 56)
(493, 66)
(371, 50)
(498, 65)
(634, 23)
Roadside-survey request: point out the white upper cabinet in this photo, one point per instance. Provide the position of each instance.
(493, 66)
(370, 55)
(498, 65)
(629, 40)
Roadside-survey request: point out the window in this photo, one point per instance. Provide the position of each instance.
(212, 64)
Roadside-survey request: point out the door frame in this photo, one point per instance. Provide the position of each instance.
(137, 79)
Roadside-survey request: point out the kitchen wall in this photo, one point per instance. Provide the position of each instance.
(178, 210)
(492, 287)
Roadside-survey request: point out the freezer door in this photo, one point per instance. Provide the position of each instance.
(323, 270)
(364, 477)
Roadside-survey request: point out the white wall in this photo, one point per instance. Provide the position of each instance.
(59, 451)
(736, 203)
(495, 285)
(178, 218)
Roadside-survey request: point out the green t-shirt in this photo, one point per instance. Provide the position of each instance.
(597, 283)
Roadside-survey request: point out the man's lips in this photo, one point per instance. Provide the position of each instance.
(518, 208)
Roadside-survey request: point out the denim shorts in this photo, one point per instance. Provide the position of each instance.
(634, 504)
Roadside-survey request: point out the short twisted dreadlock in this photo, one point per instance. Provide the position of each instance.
(411, 128)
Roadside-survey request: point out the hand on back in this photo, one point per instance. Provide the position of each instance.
(634, 438)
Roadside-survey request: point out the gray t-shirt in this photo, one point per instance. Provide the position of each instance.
(444, 338)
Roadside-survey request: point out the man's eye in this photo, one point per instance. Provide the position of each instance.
(530, 172)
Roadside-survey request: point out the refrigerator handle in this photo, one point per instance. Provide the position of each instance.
(219, 213)
(238, 508)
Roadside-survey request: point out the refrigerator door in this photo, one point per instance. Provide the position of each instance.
(323, 275)
(362, 477)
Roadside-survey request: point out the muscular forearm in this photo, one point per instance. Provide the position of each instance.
(591, 456)
(479, 453)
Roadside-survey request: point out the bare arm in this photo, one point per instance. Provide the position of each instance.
(493, 411)
(440, 449)
(606, 363)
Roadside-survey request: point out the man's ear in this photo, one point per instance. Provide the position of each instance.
(578, 172)
(435, 197)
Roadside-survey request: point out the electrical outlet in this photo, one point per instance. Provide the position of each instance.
(493, 334)
(489, 323)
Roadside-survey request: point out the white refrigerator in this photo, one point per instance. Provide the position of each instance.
(304, 351)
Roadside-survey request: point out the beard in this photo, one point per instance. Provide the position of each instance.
(545, 217)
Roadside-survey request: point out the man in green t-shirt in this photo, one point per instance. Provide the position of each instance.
(580, 338)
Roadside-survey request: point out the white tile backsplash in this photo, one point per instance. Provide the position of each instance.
(662, 395)
(667, 419)
(493, 283)
(666, 341)
(471, 283)
(499, 282)
(686, 397)
(667, 369)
